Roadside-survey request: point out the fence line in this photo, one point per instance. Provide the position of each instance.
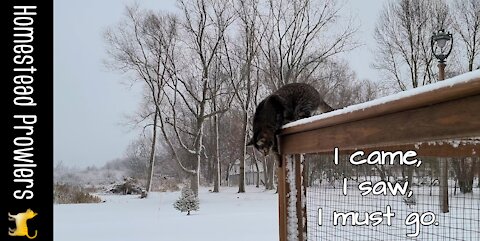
(440, 120)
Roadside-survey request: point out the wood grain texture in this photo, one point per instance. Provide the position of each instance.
(425, 150)
(301, 197)
(458, 118)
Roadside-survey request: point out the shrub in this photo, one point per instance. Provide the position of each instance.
(128, 186)
(68, 193)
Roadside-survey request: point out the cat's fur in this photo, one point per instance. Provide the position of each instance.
(289, 103)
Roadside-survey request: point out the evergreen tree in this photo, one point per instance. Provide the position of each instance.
(187, 201)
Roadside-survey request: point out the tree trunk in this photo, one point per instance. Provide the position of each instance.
(208, 172)
(271, 173)
(443, 184)
(227, 175)
(465, 172)
(265, 172)
(410, 177)
(195, 181)
(257, 184)
(151, 167)
(241, 175)
(216, 157)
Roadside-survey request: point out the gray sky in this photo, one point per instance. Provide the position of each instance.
(91, 102)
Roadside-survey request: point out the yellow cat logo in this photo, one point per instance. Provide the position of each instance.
(21, 222)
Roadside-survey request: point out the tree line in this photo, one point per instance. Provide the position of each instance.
(205, 67)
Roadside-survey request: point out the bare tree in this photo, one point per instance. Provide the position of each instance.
(221, 100)
(137, 46)
(403, 36)
(241, 67)
(192, 69)
(340, 86)
(466, 23)
(301, 35)
(146, 43)
(204, 24)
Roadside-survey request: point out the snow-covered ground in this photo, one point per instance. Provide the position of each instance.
(222, 216)
(254, 216)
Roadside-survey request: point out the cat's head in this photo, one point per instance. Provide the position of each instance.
(30, 213)
(263, 142)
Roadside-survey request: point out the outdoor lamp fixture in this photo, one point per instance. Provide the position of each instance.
(442, 43)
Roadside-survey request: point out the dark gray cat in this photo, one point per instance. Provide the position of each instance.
(289, 103)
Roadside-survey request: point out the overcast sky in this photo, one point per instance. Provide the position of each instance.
(91, 103)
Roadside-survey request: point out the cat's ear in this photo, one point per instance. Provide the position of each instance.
(278, 102)
(251, 142)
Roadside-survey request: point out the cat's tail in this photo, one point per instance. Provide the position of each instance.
(34, 236)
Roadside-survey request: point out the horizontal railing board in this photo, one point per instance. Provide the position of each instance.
(423, 150)
(452, 119)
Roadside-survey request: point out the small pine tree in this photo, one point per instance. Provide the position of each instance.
(187, 201)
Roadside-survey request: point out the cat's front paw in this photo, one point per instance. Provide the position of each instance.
(304, 114)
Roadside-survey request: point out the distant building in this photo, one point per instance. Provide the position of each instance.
(250, 173)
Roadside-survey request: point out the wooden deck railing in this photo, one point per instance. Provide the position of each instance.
(442, 111)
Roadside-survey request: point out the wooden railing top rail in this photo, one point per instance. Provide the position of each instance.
(426, 113)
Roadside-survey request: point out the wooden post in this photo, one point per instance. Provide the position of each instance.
(443, 178)
(300, 186)
(441, 71)
(291, 165)
(283, 189)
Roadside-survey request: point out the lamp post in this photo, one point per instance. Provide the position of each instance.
(442, 43)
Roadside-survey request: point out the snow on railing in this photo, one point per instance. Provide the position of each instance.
(457, 80)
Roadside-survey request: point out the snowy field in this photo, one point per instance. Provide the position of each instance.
(222, 216)
(254, 216)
